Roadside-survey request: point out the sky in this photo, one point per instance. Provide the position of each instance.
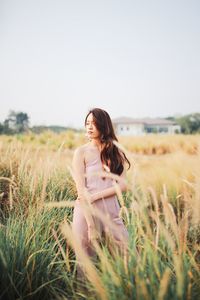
(137, 59)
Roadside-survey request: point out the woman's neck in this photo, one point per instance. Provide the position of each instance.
(96, 143)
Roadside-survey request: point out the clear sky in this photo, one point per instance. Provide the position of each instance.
(132, 58)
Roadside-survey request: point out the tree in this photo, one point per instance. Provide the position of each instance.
(189, 123)
(17, 122)
(22, 121)
(1, 128)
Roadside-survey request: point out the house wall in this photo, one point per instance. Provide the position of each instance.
(163, 129)
(174, 129)
(129, 129)
(141, 129)
(157, 129)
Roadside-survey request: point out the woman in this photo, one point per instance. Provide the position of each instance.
(90, 162)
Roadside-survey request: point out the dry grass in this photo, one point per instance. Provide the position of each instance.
(161, 212)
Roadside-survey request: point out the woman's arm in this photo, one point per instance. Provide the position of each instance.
(78, 167)
(121, 181)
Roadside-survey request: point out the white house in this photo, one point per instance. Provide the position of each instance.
(129, 126)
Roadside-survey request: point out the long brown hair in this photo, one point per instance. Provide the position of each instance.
(110, 154)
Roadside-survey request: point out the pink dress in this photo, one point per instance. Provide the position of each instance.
(108, 206)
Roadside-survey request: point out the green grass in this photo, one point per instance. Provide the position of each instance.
(31, 264)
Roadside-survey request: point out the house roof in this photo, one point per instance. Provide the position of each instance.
(145, 121)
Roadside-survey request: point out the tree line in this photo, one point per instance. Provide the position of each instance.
(18, 122)
(189, 124)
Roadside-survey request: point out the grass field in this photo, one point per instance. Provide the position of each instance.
(161, 211)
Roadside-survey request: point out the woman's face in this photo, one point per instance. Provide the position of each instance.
(91, 129)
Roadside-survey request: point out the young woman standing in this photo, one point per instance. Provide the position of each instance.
(99, 154)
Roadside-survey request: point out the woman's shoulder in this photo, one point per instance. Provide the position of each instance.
(81, 149)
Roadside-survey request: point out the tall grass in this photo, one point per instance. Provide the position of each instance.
(31, 263)
(161, 212)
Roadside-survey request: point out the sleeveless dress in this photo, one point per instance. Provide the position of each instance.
(109, 207)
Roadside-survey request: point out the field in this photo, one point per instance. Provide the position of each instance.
(161, 211)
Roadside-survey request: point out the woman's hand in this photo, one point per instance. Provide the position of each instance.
(84, 201)
(89, 197)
